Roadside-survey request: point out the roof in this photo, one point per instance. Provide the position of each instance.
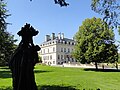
(59, 40)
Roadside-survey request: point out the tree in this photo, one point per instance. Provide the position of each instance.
(95, 42)
(7, 45)
(40, 59)
(61, 2)
(109, 9)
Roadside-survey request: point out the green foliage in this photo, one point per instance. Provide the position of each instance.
(95, 42)
(6, 39)
(61, 78)
(61, 2)
(40, 58)
(118, 57)
(109, 9)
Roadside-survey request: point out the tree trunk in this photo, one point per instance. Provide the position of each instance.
(103, 66)
(96, 66)
(116, 66)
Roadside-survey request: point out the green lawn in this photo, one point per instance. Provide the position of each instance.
(61, 78)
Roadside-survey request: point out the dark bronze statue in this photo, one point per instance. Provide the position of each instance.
(24, 59)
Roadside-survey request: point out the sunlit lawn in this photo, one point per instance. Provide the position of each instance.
(61, 78)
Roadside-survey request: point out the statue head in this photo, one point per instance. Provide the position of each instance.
(27, 32)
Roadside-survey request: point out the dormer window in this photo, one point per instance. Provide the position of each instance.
(65, 42)
(69, 43)
(72, 43)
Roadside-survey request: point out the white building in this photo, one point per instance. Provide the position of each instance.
(57, 50)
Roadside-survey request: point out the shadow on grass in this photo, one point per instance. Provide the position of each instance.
(101, 70)
(50, 87)
(40, 71)
(46, 87)
(55, 87)
(5, 74)
(8, 74)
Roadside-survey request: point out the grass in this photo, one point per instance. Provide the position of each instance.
(61, 78)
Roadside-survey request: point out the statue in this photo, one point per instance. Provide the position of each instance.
(24, 59)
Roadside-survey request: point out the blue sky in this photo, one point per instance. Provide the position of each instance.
(47, 17)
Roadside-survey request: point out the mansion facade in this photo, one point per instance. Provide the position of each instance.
(56, 50)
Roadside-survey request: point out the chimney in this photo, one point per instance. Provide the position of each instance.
(53, 36)
(62, 36)
(59, 35)
(47, 38)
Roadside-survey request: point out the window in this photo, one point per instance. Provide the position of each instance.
(64, 49)
(61, 57)
(43, 51)
(69, 43)
(44, 58)
(65, 42)
(53, 62)
(50, 57)
(72, 43)
(48, 50)
(58, 41)
(58, 57)
(72, 60)
(65, 57)
(68, 50)
(61, 49)
(53, 49)
(68, 59)
(47, 57)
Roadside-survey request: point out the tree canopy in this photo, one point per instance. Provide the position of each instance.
(95, 42)
(109, 9)
(7, 45)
